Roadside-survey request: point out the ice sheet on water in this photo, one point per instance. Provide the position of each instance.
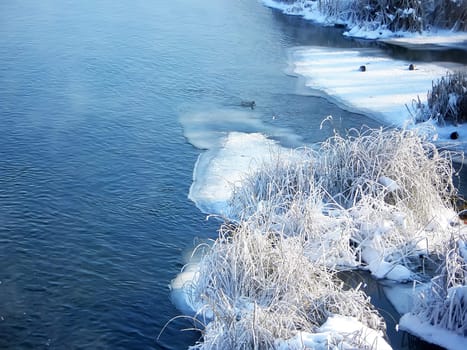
(234, 142)
(219, 170)
(446, 38)
(207, 129)
(385, 90)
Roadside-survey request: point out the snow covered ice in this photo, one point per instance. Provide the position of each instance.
(386, 89)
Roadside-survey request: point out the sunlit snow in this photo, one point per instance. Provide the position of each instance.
(387, 89)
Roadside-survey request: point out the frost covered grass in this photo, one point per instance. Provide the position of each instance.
(444, 303)
(405, 15)
(258, 288)
(447, 100)
(382, 15)
(398, 166)
(440, 310)
(379, 197)
(374, 199)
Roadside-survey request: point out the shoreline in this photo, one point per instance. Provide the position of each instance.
(397, 87)
(379, 268)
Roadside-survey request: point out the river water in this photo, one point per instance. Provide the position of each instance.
(94, 166)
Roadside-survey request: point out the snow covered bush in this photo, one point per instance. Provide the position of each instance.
(396, 187)
(397, 164)
(395, 15)
(379, 197)
(337, 11)
(374, 199)
(383, 15)
(257, 287)
(447, 100)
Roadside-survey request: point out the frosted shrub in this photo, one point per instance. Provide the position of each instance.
(447, 100)
(397, 189)
(286, 197)
(327, 230)
(444, 303)
(382, 196)
(259, 287)
(395, 15)
(407, 170)
(336, 10)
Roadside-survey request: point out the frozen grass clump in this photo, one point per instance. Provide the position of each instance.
(286, 197)
(374, 198)
(397, 188)
(275, 184)
(444, 303)
(258, 287)
(327, 230)
(447, 100)
(382, 197)
(393, 15)
(397, 164)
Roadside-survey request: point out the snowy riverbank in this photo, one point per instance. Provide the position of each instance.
(387, 89)
(370, 82)
(378, 200)
(401, 25)
(381, 216)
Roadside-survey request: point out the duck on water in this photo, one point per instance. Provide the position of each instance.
(250, 104)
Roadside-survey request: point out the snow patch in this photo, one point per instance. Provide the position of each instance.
(335, 330)
(387, 89)
(432, 334)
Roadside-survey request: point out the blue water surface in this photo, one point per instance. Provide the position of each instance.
(94, 167)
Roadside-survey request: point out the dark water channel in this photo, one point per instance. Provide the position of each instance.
(94, 167)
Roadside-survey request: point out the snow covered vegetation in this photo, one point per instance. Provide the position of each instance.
(357, 201)
(447, 100)
(381, 16)
(381, 200)
(440, 311)
(373, 199)
(259, 291)
(444, 303)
